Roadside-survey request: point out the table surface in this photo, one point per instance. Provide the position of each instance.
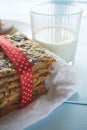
(71, 115)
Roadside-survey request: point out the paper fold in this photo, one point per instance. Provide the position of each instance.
(62, 84)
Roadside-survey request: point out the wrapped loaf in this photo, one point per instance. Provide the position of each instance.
(41, 62)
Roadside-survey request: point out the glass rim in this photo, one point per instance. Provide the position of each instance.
(57, 14)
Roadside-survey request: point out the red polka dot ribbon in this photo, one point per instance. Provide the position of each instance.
(23, 69)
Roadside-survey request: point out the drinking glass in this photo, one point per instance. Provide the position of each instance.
(56, 27)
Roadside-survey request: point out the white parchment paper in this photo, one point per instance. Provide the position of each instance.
(62, 84)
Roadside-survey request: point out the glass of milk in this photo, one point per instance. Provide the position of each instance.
(56, 27)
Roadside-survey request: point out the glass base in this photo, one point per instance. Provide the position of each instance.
(71, 62)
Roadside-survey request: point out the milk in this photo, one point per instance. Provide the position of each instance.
(58, 39)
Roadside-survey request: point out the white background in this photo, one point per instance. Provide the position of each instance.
(19, 9)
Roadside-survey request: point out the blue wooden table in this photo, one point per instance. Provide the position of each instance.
(65, 117)
(71, 115)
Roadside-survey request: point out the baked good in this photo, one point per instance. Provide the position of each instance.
(41, 62)
(7, 28)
